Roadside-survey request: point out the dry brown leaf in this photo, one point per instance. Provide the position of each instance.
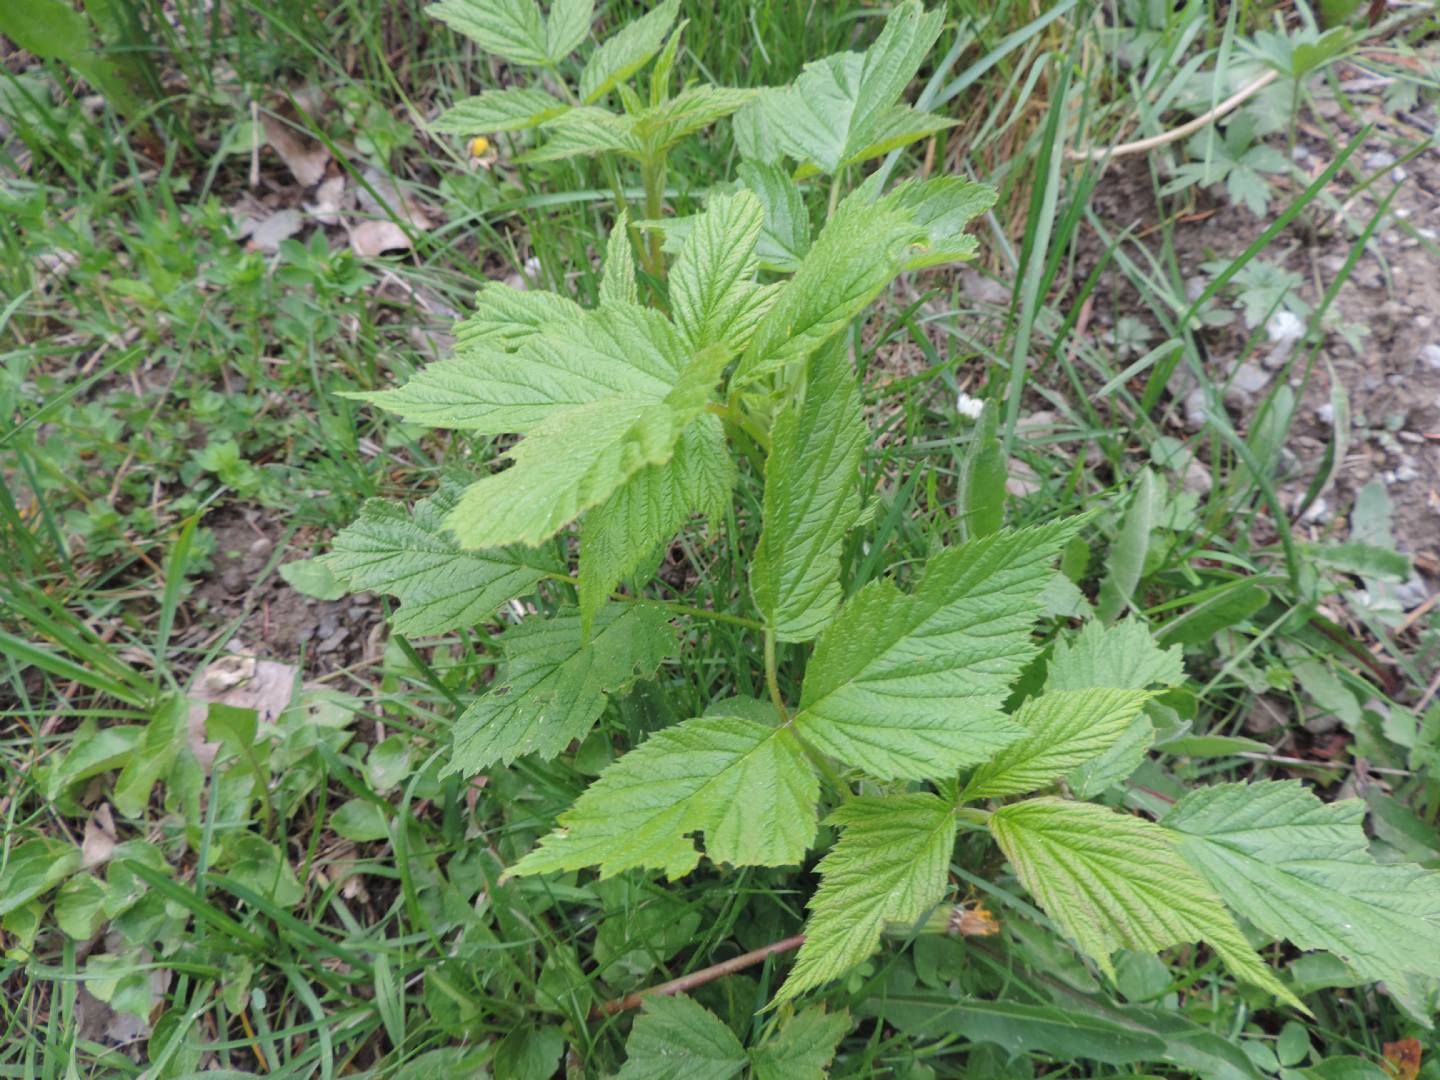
(269, 233)
(244, 683)
(371, 238)
(380, 196)
(303, 156)
(99, 841)
(329, 199)
(1402, 1059)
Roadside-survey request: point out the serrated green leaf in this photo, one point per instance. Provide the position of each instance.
(785, 235)
(415, 559)
(911, 685)
(585, 130)
(506, 316)
(1113, 881)
(742, 781)
(567, 26)
(1100, 774)
(803, 1048)
(858, 253)
(1124, 655)
(626, 52)
(1301, 869)
(513, 29)
(812, 500)
(512, 109)
(618, 285)
(889, 865)
(555, 683)
(842, 107)
(624, 532)
(568, 463)
(899, 127)
(696, 107)
(676, 1039)
(714, 298)
(1063, 729)
(943, 207)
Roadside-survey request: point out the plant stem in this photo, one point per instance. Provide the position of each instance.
(973, 815)
(679, 609)
(701, 977)
(772, 680)
(652, 173)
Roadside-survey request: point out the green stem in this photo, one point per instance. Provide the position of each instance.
(772, 678)
(835, 191)
(973, 815)
(670, 605)
(652, 173)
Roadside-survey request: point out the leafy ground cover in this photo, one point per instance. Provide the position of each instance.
(232, 837)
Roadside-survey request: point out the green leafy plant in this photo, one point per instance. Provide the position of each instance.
(926, 711)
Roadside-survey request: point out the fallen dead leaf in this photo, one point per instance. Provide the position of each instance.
(245, 683)
(380, 196)
(329, 199)
(371, 238)
(269, 233)
(303, 156)
(99, 840)
(1402, 1059)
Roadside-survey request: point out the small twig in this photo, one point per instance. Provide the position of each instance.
(1142, 145)
(699, 978)
(1410, 620)
(1280, 759)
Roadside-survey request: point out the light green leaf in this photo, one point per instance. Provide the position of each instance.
(1112, 881)
(509, 28)
(153, 756)
(694, 108)
(785, 235)
(889, 865)
(1126, 558)
(262, 867)
(586, 130)
(803, 1048)
(80, 906)
(1098, 775)
(899, 127)
(618, 285)
(856, 255)
(842, 107)
(555, 685)
(1063, 729)
(627, 51)
(1301, 869)
(1124, 655)
(513, 109)
(440, 587)
(568, 463)
(676, 1039)
(505, 316)
(943, 207)
(312, 577)
(812, 500)
(742, 781)
(33, 868)
(567, 26)
(714, 298)
(359, 820)
(624, 532)
(911, 685)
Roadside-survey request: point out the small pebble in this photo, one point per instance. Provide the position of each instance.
(1405, 474)
(233, 579)
(1380, 159)
(1326, 414)
(1319, 511)
(1430, 357)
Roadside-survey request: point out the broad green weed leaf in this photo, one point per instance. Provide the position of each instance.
(856, 255)
(910, 685)
(740, 779)
(506, 316)
(812, 500)
(568, 463)
(694, 108)
(555, 684)
(618, 285)
(785, 234)
(1301, 869)
(513, 29)
(624, 532)
(1126, 560)
(1124, 655)
(415, 559)
(153, 756)
(586, 130)
(1113, 881)
(33, 868)
(803, 1048)
(1063, 729)
(714, 297)
(676, 1039)
(889, 865)
(567, 26)
(842, 109)
(512, 109)
(626, 51)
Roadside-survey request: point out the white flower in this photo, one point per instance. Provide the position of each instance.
(1285, 327)
(969, 407)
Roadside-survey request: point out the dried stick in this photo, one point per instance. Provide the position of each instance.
(701, 977)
